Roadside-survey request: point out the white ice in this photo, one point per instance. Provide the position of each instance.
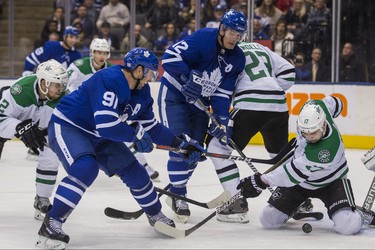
(89, 228)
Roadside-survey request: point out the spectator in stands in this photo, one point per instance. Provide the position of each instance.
(49, 27)
(208, 11)
(188, 30)
(88, 26)
(296, 19)
(302, 73)
(161, 13)
(258, 33)
(140, 40)
(279, 36)
(93, 9)
(167, 39)
(350, 69)
(117, 15)
(318, 25)
(268, 10)
(319, 72)
(58, 16)
(283, 5)
(83, 44)
(105, 32)
(218, 14)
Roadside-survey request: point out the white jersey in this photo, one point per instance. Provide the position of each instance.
(262, 84)
(21, 102)
(315, 165)
(81, 70)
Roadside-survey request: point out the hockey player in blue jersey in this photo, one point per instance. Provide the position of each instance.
(87, 131)
(62, 51)
(204, 65)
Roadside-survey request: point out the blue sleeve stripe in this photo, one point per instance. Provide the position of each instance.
(221, 95)
(30, 61)
(108, 124)
(227, 92)
(149, 126)
(173, 81)
(106, 112)
(35, 58)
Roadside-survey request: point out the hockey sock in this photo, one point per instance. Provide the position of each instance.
(136, 178)
(179, 174)
(229, 177)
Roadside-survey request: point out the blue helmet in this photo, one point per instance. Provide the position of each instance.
(142, 57)
(70, 30)
(235, 20)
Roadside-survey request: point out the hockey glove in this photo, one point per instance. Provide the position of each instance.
(31, 135)
(252, 186)
(192, 88)
(191, 150)
(223, 131)
(142, 140)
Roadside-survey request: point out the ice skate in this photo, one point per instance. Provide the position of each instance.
(42, 205)
(367, 216)
(51, 236)
(152, 219)
(236, 213)
(32, 156)
(180, 207)
(154, 175)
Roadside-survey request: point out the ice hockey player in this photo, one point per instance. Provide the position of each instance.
(25, 110)
(259, 102)
(82, 69)
(204, 65)
(62, 51)
(317, 170)
(88, 129)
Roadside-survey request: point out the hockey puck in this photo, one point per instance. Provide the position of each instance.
(307, 228)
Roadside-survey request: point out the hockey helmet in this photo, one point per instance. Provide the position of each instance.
(235, 20)
(70, 30)
(99, 45)
(52, 71)
(142, 57)
(311, 118)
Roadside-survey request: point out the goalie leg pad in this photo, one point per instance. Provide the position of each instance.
(272, 218)
(347, 222)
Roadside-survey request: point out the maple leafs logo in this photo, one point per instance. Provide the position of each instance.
(211, 81)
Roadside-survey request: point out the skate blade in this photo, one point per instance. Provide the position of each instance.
(38, 215)
(46, 243)
(233, 218)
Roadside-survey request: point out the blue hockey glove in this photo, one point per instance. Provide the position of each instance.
(192, 150)
(192, 88)
(224, 131)
(142, 140)
(252, 186)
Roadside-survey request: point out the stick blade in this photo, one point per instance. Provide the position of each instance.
(119, 214)
(220, 200)
(169, 231)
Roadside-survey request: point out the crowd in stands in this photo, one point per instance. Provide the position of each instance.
(299, 30)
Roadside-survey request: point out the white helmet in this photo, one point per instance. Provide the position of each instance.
(99, 45)
(51, 71)
(311, 118)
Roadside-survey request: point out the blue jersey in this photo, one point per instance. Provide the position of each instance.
(51, 50)
(102, 105)
(220, 67)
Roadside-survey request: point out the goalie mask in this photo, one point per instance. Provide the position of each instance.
(311, 118)
(53, 73)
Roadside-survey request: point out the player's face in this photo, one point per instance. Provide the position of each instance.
(149, 76)
(55, 90)
(70, 40)
(100, 57)
(313, 137)
(231, 38)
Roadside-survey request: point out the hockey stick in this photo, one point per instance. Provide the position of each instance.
(120, 214)
(369, 199)
(219, 200)
(277, 158)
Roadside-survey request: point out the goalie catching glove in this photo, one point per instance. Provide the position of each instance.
(31, 135)
(252, 186)
(192, 150)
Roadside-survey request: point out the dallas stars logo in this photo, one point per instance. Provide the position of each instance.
(324, 155)
(48, 68)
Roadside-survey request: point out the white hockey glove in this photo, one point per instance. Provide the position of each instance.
(368, 159)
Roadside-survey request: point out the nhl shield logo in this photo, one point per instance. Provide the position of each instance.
(16, 89)
(324, 156)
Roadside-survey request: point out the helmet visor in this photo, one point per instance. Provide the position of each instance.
(151, 75)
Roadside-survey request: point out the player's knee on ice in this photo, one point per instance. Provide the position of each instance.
(271, 218)
(347, 222)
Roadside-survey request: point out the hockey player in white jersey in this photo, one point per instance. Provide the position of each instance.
(318, 169)
(82, 69)
(25, 110)
(259, 103)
